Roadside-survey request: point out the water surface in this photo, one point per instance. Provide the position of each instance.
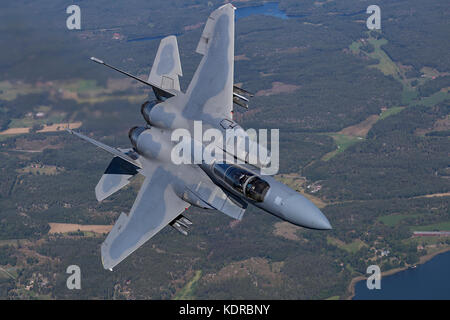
(428, 281)
(267, 9)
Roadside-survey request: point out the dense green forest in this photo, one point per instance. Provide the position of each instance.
(393, 158)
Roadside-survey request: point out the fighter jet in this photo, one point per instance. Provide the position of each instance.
(169, 189)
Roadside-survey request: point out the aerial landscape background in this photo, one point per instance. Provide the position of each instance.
(364, 119)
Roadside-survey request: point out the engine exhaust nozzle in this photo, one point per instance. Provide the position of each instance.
(134, 134)
(146, 108)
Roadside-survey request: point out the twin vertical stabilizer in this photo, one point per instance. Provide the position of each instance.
(167, 66)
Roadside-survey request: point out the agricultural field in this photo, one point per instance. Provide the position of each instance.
(342, 142)
(442, 226)
(351, 247)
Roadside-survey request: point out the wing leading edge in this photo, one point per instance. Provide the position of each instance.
(156, 205)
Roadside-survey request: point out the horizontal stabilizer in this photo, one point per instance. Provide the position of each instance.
(167, 66)
(117, 175)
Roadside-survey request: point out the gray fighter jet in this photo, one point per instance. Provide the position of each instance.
(168, 188)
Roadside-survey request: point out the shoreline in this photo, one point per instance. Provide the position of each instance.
(422, 260)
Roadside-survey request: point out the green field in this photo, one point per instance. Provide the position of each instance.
(9, 91)
(86, 85)
(351, 247)
(8, 273)
(343, 142)
(434, 99)
(385, 65)
(29, 122)
(12, 242)
(6, 136)
(81, 85)
(355, 47)
(425, 241)
(408, 95)
(46, 170)
(390, 112)
(394, 219)
(442, 226)
(187, 292)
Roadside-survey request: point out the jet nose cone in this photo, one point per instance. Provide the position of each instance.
(303, 212)
(324, 224)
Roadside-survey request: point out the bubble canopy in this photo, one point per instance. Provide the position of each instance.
(242, 181)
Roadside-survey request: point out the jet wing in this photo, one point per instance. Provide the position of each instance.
(210, 92)
(156, 205)
(117, 152)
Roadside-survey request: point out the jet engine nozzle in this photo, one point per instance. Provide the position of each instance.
(134, 133)
(146, 108)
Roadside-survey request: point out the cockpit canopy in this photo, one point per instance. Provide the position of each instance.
(241, 180)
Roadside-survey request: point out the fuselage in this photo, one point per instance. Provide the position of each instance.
(241, 181)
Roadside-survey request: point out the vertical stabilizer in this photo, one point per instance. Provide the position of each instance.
(167, 66)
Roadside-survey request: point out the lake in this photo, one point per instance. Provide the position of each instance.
(430, 280)
(267, 9)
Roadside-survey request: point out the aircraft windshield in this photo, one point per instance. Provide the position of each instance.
(256, 189)
(243, 181)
